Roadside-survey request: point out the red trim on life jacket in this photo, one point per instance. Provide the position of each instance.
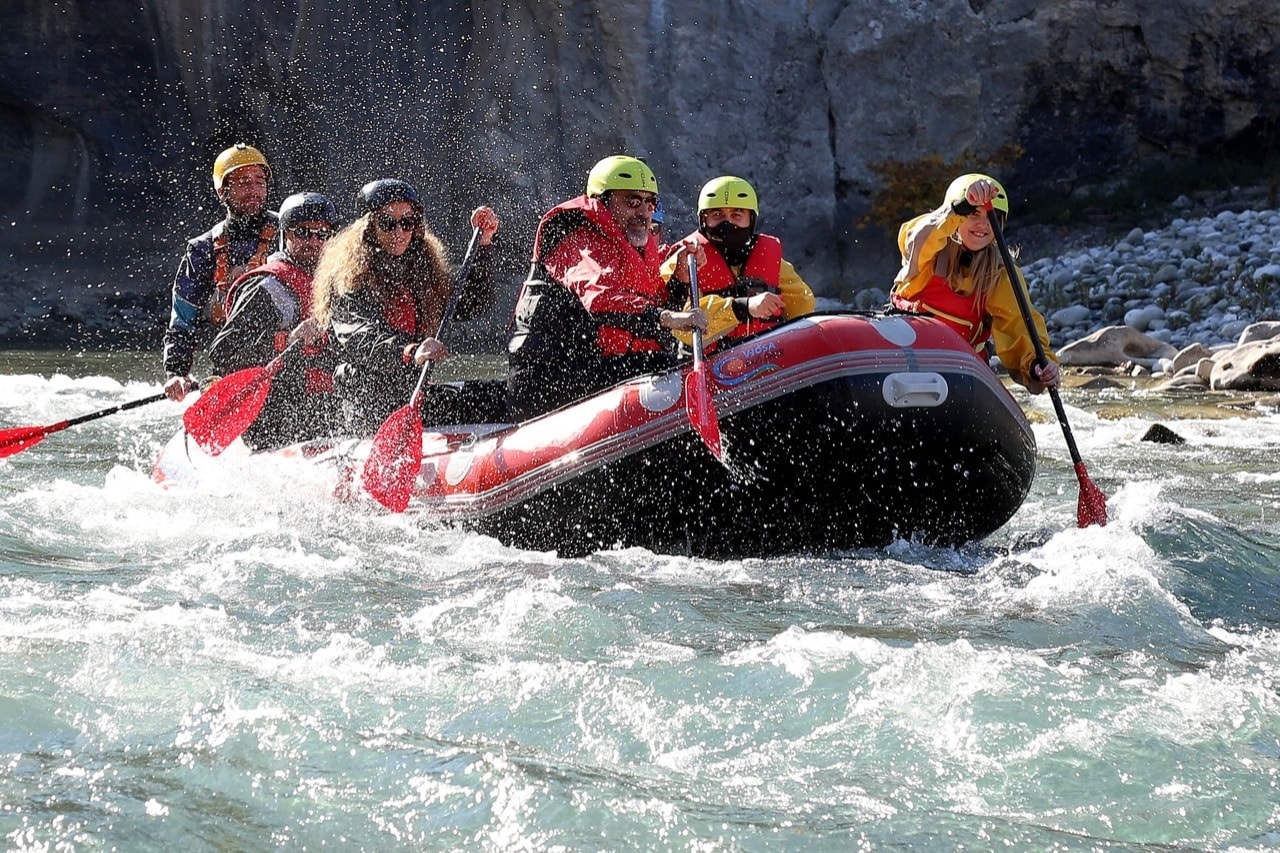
(297, 279)
(965, 313)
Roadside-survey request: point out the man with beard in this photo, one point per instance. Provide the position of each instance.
(746, 287)
(266, 309)
(595, 309)
(218, 257)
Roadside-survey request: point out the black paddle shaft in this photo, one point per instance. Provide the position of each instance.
(450, 308)
(132, 404)
(1024, 305)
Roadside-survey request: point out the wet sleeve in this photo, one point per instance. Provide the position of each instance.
(919, 241)
(1009, 331)
(479, 290)
(721, 319)
(367, 342)
(248, 336)
(188, 300)
(796, 294)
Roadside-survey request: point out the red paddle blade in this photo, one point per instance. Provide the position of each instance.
(1092, 506)
(226, 410)
(19, 439)
(395, 458)
(702, 414)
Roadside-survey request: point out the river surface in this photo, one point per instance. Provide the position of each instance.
(237, 667)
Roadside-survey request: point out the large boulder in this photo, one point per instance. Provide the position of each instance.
(1263, 331)
(1252, 367)
(1114, 346)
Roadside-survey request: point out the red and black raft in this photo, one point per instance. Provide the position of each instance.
(840, 431)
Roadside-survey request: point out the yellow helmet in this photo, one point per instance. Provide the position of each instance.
(728, 191)
(236, 157)
(960, 186)
(620, 172)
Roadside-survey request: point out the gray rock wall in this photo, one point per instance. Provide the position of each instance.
(111, 111)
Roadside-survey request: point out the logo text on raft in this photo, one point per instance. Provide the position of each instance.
(747, 362)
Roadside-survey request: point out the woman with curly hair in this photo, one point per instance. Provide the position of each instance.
(382, 285)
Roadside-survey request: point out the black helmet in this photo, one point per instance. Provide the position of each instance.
(307, 207)
(382, 192)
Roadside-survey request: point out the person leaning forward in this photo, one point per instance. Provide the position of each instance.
(952, 270)
(746, 287)
(595, 309)
(217, 258)
(267, 309)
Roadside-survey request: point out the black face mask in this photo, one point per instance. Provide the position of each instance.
(733, 242)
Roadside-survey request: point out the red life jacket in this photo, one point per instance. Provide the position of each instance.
(583, 224)
(716, 276)
(402, 313)
(298, 280)
(965, 313)
(224, 276)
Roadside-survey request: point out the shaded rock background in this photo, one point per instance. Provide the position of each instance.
(111, 112)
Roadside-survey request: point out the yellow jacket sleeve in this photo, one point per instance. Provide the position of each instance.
(795, 293)
(919, 241)
(1009, 331)
(796, 296)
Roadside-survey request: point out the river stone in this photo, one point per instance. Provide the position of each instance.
(1190, 355)
(1252, 367)
(1161, 434)
(1073, 315)
(1142, 318)
(1184, 382)
(1114, 346)
(1263, 331)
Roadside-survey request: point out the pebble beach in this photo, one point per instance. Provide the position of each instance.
(1202, 280)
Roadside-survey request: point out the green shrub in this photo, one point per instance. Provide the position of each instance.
(911, 187)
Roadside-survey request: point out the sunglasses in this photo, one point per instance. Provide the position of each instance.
(311, 233)
(636, 200)
(390, 223)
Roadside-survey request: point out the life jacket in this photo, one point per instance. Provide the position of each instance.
(764, 263)
(298, 280)
(224, 274)
(402, 313)
(318, 378)
(964, 313)
(624, 265)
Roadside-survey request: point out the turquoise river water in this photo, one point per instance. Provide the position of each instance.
(238, 667)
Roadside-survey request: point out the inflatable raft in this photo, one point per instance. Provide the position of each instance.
(840, 431)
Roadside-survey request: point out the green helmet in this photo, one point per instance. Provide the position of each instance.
(728, 191)
(620, 172)
(960, 186)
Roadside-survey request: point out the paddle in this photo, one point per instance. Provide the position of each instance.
(1091, 508)
(231, 404)
(697, 388)
(17, 439)
(395, 458)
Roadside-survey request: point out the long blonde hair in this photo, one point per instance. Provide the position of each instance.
(353, 261)
(984, 268)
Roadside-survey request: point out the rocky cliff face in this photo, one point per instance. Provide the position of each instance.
(111, 111)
